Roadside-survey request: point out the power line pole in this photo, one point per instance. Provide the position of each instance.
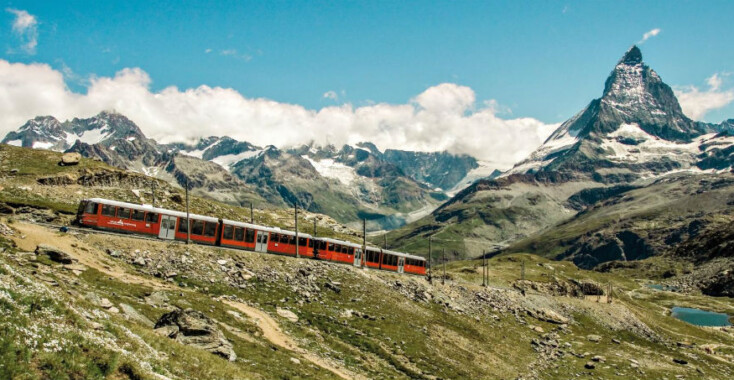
(296, 208)
(484, 270)
(252, 218)
(430, 267)
(153, 191)
(522, 271)
(314, 226)
(188, 223)
(443, 278)
(364, 242)
(384, 237)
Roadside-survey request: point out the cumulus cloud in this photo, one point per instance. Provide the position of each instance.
(443, 117)
(331, 95)
(648, 35)
(696, 103)
(25, 26)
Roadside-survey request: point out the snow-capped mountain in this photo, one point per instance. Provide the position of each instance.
(635, 130)
(45, 132)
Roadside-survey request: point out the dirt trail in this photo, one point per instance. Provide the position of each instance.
(272, 332)
(87, 255)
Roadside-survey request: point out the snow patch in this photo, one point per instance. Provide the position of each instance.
(336, 170)
(131, 138)
(193, 153)
(42, 145)
(94, 136)
(649, 148)
(227, 160)
(15, 142)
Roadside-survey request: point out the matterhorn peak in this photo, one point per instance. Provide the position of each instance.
(632, 57)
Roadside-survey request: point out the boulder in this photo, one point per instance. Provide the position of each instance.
(71, 158)
(195, 329)
(594, 338)
(287, 314)
(135, 315)
(54, 254)
(548, 315)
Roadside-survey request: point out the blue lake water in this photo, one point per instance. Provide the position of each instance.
(700, 317)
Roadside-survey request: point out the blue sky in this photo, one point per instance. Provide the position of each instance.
(538, 59)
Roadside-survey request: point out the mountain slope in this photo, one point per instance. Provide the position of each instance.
(631, 136)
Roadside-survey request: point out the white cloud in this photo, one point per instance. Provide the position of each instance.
(331, 95)
(648, 35)
(445, 116)
(696, 103)
(25, 26)
(234, 53)
(207, 51)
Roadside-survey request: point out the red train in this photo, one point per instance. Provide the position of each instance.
(171, 225)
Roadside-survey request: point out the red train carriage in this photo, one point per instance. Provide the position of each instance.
(340, 251)
(105, 214)
(168, 224)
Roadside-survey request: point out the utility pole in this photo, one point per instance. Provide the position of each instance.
(252, 219)
(430, 268)
(443, 278)
(296, 208)
(364, 242)
(384, 241)
(314, 226)
(522, 271)
(188, 223)
(484, 270)
(153, 191)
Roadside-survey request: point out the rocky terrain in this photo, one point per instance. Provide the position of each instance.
(79, 304)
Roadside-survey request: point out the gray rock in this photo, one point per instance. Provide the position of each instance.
(590, 365)
(594, 338)
(135, 315)
(71, 158)
(54, 254)
(139, 261)
(193, 328)
(287, 314)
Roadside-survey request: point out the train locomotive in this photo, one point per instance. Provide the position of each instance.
(104, 214)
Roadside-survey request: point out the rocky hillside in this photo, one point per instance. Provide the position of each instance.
(635, 136)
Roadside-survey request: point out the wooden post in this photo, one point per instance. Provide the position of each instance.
(430, 267)
(296, 208)
(153, 192)
(522, 271)
(252, 218)
(484, 270)
(443, 278)
(314, 226)
(384, 237)
(364, 242)
(188, 223)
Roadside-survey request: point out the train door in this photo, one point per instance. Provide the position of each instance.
(261, 243)
(357, 257)
(168, 227)
(401, 264)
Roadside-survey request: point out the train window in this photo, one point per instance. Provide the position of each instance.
(310, 243)
(91, 208)
(228, 232)
(197, 227)
(138, 215)
(182, 227)
(275, 238)
(302, 241)
(292, 240)
(331, 247)
(322, 245)
(351, 250)
(123, 213)
(345, 249)
(108, 210)
(373, 256)
(210, 229)
(250, 236)
(284, 239)
(151, 217)
(337, 248)
(239, 233)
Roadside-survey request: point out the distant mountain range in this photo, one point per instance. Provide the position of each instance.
(348, 183)
(630, 143)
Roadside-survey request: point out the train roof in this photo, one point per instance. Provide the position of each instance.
(150, 208)
(264, 228)
(342, 242)
(403, 254)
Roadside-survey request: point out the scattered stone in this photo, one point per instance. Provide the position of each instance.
(114, 310)
(105, 303)
(590, 365)
(54, 254)
(686, 344)
(221, 262)
(594, 338)
(287, 314)
(157, 299)
(598, 358)
(680, 361)
(616, 341)
(193, 328)
(333, 286)
(139, 261)
(133, 314)
(113, 253)
(6, 209)
(295, 361)
(548, 315)
(71, 158)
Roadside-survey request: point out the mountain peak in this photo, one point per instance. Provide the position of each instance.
(632, 57)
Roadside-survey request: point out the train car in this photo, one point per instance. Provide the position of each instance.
(340, 251)
(126, 217)
(105, 214)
